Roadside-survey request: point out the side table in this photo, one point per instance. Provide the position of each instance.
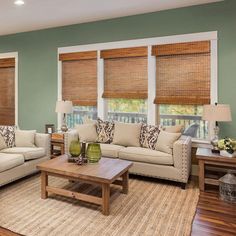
(57, 140)
(212, 160)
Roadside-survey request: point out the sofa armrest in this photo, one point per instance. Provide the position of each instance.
(182, 156)
(43, 140)
(68, 137)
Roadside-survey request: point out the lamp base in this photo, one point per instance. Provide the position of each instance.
(64, 128)
(215, 140)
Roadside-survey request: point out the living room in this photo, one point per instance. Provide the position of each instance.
(117, 117)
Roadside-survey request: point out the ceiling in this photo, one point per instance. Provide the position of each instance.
(41, 14)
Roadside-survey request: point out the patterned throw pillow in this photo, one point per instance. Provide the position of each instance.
(8, 133)
(149, 135)
(105, 130)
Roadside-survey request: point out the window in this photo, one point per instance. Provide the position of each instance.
(183, 84)
(185, 115)
(80, 113)
(125, 87)
(7, 91)
(79, 85)
(127, 110)
(152, 80)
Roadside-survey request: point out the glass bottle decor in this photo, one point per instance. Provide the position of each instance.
(228, 187)
(75, 148)
(83, 152)
(93, 152)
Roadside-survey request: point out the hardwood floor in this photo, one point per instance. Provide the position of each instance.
(214, 217)
(5, 232)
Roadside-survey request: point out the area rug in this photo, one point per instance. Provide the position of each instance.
(150, 208)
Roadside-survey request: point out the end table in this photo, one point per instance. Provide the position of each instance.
(212, 160)
(57, 140)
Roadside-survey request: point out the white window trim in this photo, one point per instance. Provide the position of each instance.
(13, 55)
(151, 116)
(101, 102)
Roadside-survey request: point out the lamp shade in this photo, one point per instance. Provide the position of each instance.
(219, 112)
(64, 107)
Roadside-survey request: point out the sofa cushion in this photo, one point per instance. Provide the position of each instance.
(29, 153)
(127, 134)
(8, 133)
(9, 161)
(87, 132)
(145, 155)
(24, 138)
(105, 130)
(110, 150)
(166, 140)
(2, 143)
(174, 128)
(149, 135)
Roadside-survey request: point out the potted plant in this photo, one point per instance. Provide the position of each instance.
(227, 147)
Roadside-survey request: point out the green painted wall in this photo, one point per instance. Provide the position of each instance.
(38, 53)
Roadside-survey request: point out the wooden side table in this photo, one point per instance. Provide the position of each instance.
(57, 140)
(207, 159)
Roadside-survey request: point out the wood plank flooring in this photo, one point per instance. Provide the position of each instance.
(5, 232)
(214, 217)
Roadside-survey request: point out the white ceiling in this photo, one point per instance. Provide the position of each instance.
(41, 14)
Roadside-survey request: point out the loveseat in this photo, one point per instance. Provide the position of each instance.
(20, 152)
(173, 163)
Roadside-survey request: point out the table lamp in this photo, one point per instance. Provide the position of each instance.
(216, 113)
(64, 107)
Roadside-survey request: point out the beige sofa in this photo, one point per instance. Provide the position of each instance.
(147, 162)
(18, 162)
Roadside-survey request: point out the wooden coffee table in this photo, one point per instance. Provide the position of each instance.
(108, 171)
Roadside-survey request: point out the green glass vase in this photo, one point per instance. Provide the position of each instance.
(75, 148)
(93, 152)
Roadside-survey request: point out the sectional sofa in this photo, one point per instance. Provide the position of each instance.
(173, 164)
(20, 159)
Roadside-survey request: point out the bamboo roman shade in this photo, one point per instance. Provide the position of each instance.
(79, 78)
(182, 73)
(7, 91)
(125, 73)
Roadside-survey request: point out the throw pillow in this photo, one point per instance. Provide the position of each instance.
(87, 132)
(86, 120)
(127, 134)
(24, 138)
(173, 129)
(105, 130)
(166, 140)
(149, 135)
(2, 143)
(8, 133)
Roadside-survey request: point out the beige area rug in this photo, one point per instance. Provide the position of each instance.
(150, 208)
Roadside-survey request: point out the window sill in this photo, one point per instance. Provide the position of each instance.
(201, 143)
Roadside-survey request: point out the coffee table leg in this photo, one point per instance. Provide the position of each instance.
(44, 184)
(125, 182)
(105, 198)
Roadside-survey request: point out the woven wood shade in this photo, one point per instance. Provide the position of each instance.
(7, 62)
(124, 52)
(79, 82)
(78, 56)
(183, 78)
(7, 94)
(126, 78)
(181, 48)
